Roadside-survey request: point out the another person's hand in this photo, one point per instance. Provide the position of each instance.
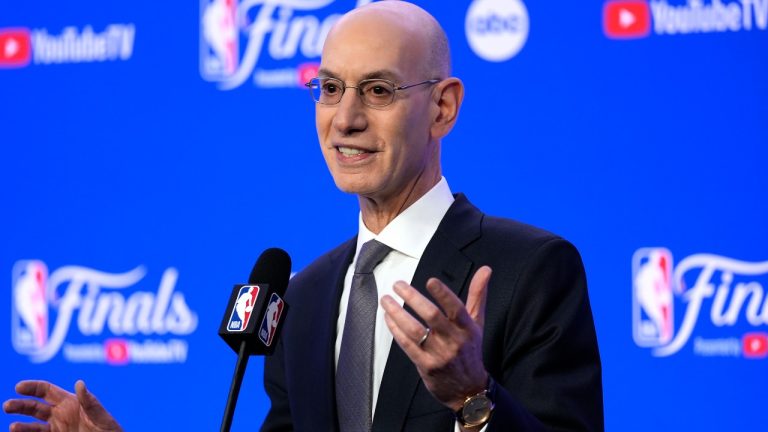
(450, 359)
(60, 410)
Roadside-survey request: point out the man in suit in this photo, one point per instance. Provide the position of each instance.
(456, 347)
(512, 351)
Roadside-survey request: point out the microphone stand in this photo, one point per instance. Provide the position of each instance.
(234, 389)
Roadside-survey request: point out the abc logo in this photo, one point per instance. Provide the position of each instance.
(497, 29)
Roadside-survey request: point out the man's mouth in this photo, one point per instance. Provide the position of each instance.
(349, 151)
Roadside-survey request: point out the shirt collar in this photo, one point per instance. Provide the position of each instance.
(410, 232)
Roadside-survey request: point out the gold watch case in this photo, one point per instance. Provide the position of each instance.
(477, 410)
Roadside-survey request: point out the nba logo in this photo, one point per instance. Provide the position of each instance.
(241, 312)
(652, 297)
(29, 306)
(219, 48)
(271, 319)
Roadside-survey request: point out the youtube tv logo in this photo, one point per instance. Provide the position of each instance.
(15, 47)
(307, 71)
(755, 345)
(116, 351)
(626, 19)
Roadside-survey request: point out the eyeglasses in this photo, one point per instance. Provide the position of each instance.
(375, 93)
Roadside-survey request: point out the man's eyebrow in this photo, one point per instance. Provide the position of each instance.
(326, 73)
(382, 74)
(377, 74)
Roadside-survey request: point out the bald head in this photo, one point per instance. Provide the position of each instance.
(398, 22)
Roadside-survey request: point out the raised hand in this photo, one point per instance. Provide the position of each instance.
(59, 410)
(447, 353)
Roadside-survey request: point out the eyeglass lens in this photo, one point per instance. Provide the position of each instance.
(328, 91)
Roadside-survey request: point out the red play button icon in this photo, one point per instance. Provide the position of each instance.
(628, 19)
(755, 345)
(15, 47)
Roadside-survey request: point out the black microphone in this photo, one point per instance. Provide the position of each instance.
(254, 317)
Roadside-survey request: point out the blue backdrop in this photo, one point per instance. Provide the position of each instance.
(149, 151)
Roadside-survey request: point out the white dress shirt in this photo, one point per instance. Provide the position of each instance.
(408, 235)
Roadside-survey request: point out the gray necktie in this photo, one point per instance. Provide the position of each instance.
(354, 372)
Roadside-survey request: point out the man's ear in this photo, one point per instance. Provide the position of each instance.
(447, 98)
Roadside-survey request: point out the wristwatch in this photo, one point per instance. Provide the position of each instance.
(478, 408)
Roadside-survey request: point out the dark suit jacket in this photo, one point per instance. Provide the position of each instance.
(539, 339)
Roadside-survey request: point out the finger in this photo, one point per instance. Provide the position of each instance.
(30, 427)
(408, 345)
(91, 406)
(400, 317)
(431, 314)
(452, 305)
(478, 294)
(28, 407)
(51, 393)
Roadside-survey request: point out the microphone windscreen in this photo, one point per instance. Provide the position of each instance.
(274, 268)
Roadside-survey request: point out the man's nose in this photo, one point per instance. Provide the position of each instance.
(350, 114)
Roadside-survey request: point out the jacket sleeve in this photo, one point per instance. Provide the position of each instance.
(549, 377)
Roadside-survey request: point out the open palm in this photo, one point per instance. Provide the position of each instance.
(60, 410)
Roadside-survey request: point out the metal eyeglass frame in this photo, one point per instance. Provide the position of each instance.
(309, 84)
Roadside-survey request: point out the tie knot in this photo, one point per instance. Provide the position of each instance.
(371, 254)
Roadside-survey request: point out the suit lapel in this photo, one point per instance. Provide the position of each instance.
(325, 391)
(442, 259)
